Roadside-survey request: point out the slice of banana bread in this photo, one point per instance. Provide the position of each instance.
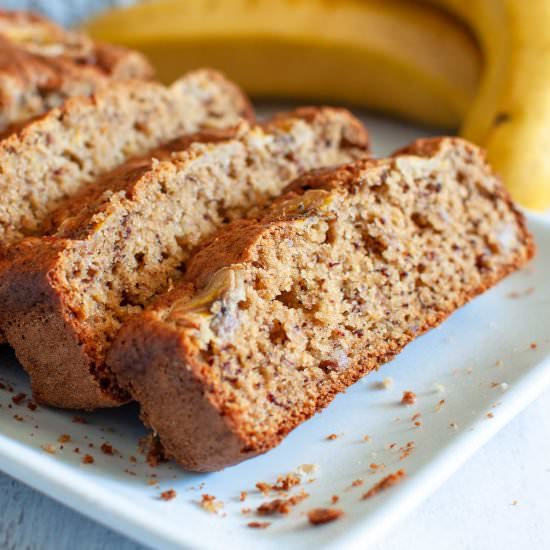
(59, 154)
(42, 64)
(276, 315)
(64, 297)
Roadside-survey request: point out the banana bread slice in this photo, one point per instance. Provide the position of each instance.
(64, 297)
(42, 64)
(56, 156)
(278, 314)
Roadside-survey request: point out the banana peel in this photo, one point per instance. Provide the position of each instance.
(510, 116)
(387, 55)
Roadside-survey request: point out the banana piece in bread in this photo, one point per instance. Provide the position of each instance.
(64, 297)
(277, 315)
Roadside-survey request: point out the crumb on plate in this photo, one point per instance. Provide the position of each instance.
(385, 483)
(409, 398)
(320, 516)
(259, 524)
(170, 494)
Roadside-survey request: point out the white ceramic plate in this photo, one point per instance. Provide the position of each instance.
(486, 362)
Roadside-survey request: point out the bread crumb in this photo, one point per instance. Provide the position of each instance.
(357, 482)
(170, 494)
(439, 405)
(409, 398)
(407, 450)
(49, 448)
(280, 505)
(259, 524)
(107, 449)
(64, 438)
(284, 483)
(334, 499)
(366, 438)
(499, 362)
(243, 496)
(533, 345)
(263, 487)
(453, 426)
(88, 459)
(320, 516)
(385, 483)
(490, 415)
(306, 469)
(210, 504)
(19, 398)
(332, 437)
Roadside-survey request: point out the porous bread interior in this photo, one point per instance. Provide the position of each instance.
(53, 158)
(136, 242)
(342, 281)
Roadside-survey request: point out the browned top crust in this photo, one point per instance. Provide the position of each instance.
(278, 314)
(42, 64)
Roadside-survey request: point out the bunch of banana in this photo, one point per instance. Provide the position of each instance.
(385, 54)
(405, 57)
(510, 116)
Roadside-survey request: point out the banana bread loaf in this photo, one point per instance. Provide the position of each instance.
(64, 297)
(42, 64)
(278, 314)
(56, 156)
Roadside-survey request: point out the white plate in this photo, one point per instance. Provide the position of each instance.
(491, 357)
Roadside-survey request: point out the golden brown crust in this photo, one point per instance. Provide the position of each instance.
(177, 333)
(210, 444)
(39, 302)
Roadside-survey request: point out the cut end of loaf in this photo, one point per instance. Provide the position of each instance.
(281, 313)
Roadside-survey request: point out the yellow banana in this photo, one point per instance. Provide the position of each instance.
(388, 55)
(510, 116)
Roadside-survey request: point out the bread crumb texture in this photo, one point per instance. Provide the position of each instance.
(278, 314)
(131, 235)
